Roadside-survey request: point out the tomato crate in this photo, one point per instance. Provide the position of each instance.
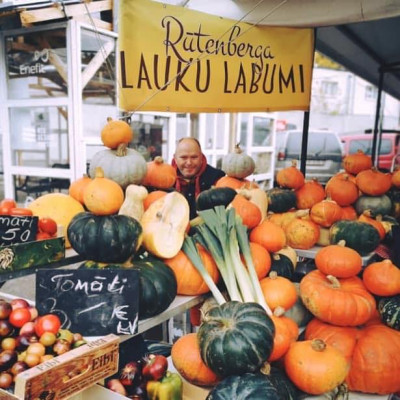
(68, 374)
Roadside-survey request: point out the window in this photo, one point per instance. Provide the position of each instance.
(329, 88)
(371, 92)
(366, 146)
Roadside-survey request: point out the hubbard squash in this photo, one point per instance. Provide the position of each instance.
(377, 205)
(281, 200)
(389, 311)
(215, 196)
(238, 164)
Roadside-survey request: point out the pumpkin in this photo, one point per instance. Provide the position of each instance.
(77, 188)
(116, 132)
(58, 206)
(282, 339)
(324, 237)
(238, 164)
(282, 265)
(157, 283)
(309, 194)
(290, 177)
(215, 196)
(190, 282)
(258, 197)
(249, 212)
(314, 366)
(298, 313)
(103, 196)
(164, 224)
(377, 205)
(302, 234)
(124, 166)
(278, 291)
(326, 212)
(357, 162)
(376, 222)
(342, 190)
(394, 196)
(133, 203)
(358, 235)
(283, 219)
(373, 182)
(159, 174)
(104, 238)
(261, 259)
(396, 178)
(382, 278)
(235, 183)
(245, 386)
(272, 237)
(389, 311)
(349, 212)
(151, 197)
(281, 200)
(236, 338)
(343, 302)
(338, 260)
(185, 355)
(289, 252)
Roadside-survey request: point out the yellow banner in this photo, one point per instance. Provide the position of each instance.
(175, 59)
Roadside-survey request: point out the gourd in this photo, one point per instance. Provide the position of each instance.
(272, 237)
(258, 197)
(104, 238)
(302, 233)
(343, 302)
(235, 338)
(389, 311)
(185, 355)
(282, 339)
(376, 222)
(238, 164)
(215, 196)
(282, 265)
(77, 188)
(58, 206)
(377, 205)
(290, 177)
(326, 212)
(394, 196)
(116, 132)
(289, 252)
(309, 194)
(342, 190)
(382, 278)
(357, 162)
(164, 224)
(133, 204)
(373, 182)
(124, 166)
(261, 259)
(103, 196)
(281, 200)
(396, 178)
(298, 312)
(159, 174)
(249, 212)
(349, 212)
(360, 236)
(234, 183)
(278, 291)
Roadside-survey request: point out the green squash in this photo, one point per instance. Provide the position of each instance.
(236, 338)
(281, 200)
(215, 197)
(389, 310)
(244, 387)
(285, 387)
(282, 265)
(394, 195)
(378, 205)
(108, 238)
(157, 284)
(360, 236)
(298, 312)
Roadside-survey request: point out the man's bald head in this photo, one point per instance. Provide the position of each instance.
(188, 157)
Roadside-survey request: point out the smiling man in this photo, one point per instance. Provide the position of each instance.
(193, 173)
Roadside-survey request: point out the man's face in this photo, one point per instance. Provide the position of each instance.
(188, 158)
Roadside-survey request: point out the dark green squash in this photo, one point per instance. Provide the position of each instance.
(213, 197)
(282, 265)
(281, 200)
(378, 205)
(110, 238)
(244, 387)
(285, 387)
(394, 195)
(389, 310)
(236, 338)
(299, 312)
(157, 284)
(360, 236)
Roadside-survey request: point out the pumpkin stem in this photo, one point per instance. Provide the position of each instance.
(273, 274)
(109, 119)
(98, 172)
(342, 392)
(318, 345)
(266, 368)
(279, 311)
(238, 149)
(121, 150)
(333, 281)
(341, 243)
(158, 160)
(294, 163)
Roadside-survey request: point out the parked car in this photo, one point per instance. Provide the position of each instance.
(324, 153)
(387, 147)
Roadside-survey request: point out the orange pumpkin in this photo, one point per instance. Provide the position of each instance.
(261, 259)
(373, 182)
(151, 197)
(357, 162)
(326, 212)
(159, 174)
(185, 355)
(272, 237)
(235, 183)
(366, 216)
(249, 212)
(282, 219)
(290, 177)
(302, 233)
(189, 281)
(382, 278)
(77, 188)
(103, 196)
(116, 132)
(309, 194)
(396, 178)
(282, 339)
(349, 213)
(342, 190)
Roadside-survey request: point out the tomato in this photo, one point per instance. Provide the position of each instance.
(43, 236)
(6, 205)
(20, 211)
(48, 225)
(155, 367)
(19, 317)
(47, 323)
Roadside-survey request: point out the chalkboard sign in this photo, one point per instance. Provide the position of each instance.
(90, 301)
(17, 229)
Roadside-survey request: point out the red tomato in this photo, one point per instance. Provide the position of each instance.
(43, 236)
(48, 225)
(47, 323)
(6, 205)
(155, 366)
(20, 211)
(19, 317)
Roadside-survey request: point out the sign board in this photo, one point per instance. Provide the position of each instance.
(17, 229)
(92, 302)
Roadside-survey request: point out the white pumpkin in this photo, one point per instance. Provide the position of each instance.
(238, 164)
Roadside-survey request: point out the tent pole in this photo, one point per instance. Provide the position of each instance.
(304, 142)
(377, 115)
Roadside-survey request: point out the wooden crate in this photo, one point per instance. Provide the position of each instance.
(68, 374)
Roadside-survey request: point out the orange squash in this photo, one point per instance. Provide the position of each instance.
(349, 213)
(309, 194)
(396, 178)
(282, 339)
(382, 278)
(290, 177)
(302, 234)
(159, 174)
(272, 237)
(116, 132)
(235, 183)
(261, 259)
(326, 212)
(357, 162)
(249, 212)
(77, 188)
(366, 216)
(342, 190)
(373, 182)
(278, 291)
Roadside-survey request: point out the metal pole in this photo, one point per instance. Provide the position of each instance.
(304, 142)
(377, 115)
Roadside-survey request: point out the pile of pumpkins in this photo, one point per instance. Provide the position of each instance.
(126, 216)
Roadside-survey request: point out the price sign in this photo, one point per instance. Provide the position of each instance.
(17, 229)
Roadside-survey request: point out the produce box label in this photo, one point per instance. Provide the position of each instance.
(17, 229)
(90, 301)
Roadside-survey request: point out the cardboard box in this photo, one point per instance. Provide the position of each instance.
(68, 374)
